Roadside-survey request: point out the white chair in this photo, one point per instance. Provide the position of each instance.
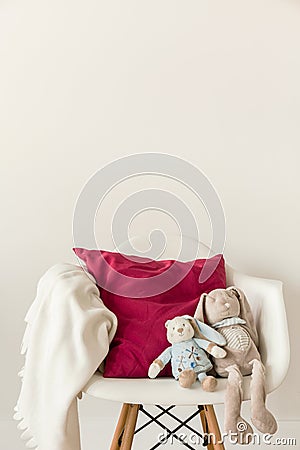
(266, 299)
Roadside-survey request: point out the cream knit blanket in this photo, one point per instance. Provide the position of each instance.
(67, 337)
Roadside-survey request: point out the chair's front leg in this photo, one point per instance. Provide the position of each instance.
(205, 428)
(213, 427)
(116, 441)
(129, 427)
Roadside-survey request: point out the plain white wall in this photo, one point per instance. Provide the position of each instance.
(83, 83)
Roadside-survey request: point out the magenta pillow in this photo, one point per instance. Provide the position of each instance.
(144, 294)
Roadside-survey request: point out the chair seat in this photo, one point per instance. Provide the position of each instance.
(160, 391)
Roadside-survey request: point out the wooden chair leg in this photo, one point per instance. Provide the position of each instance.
(205, 428)
(213, 427)
(129, 427)
(120, 427)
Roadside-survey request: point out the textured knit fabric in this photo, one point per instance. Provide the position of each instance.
(67, 337)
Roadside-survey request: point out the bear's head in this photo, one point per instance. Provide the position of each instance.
(179, 329)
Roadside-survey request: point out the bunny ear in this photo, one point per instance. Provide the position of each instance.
(210, 333)
(199, 314)
(237, 292)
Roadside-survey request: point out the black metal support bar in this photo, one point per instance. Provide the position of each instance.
(169, 432)
(166, 411)
(173, 432)
(152, 420)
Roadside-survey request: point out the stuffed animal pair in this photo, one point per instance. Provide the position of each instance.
(227, 315)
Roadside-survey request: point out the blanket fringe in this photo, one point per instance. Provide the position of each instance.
(26, 435)
(32, 443)
(23, 427)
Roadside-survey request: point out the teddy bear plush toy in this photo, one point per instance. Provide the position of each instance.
(228, 311)
(190, 340)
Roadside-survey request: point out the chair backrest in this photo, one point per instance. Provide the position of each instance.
(173, 246)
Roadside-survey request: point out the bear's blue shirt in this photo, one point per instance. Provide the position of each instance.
(187, 355)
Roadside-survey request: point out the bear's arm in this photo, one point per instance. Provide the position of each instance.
(165, 356)
(206, 345)
(211, 348)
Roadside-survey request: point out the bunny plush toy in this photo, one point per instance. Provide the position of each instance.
(229, 313)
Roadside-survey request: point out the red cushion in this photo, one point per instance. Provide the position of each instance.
(141, 333)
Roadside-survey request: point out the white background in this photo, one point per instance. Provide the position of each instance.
(83, 83)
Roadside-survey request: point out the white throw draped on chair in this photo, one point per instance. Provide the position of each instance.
(67, 337)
